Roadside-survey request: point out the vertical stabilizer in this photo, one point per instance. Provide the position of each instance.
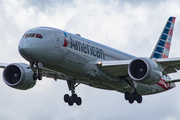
(163, 45)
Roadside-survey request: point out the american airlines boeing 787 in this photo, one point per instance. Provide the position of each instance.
(57, 54)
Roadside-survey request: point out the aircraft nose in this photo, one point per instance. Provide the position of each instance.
(25, 47)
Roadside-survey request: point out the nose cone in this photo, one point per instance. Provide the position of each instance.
(25, 47)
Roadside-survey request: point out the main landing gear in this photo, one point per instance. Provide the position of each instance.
(134, 96)
(73, 98)
(37, 74)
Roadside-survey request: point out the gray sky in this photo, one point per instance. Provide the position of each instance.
(131, 26)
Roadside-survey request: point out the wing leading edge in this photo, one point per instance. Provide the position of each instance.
(120, 68)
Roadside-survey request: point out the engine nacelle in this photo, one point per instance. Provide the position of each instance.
(144, 70)
(19, 76)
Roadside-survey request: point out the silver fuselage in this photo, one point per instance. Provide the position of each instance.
(74, 57)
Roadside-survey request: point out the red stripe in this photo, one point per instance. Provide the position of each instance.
(170, 32)
(65, 43)
(173, 20)
(164, 56)
(167, 46)
(163, 84)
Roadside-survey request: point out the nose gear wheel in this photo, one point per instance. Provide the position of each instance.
(37, 75)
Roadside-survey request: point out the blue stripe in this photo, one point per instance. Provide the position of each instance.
(168, 25)
(159, 49)
(157, 55)
(164, 37)
(166, 31)
(170, 19)
(162, 43)
(65, 34)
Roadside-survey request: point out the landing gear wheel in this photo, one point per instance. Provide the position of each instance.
(74, 97)
(135, 95)
(70, 102)
(127, 95)
(66, 98)
(79, 101)
(39, 76)
(139, 99)
(132, 97)
(131, 100)
(36, 68)
(34, 76)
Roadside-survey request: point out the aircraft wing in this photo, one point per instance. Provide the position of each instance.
(46, 72)
(120, 68)
(170, 65)
(3, 65)
(116, 68)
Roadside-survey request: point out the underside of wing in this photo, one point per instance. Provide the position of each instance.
(53, 74)
(116, 68)
(170, 65)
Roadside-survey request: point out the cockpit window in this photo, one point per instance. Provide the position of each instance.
(32, 35)
(37, 35)
(24, 35)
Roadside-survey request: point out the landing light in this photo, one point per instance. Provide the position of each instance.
(99, 63)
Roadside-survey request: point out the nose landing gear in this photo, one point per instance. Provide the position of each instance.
(37, 74)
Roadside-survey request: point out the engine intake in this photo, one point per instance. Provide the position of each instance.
(19, 76)
(144, 70)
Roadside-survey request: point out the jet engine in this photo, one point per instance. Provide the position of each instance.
(144, 70)
(19, 76)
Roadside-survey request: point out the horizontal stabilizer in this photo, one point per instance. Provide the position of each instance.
(172, 81)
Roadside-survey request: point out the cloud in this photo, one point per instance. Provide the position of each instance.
(130, 26)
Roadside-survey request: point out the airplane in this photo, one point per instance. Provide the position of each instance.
(60, 55)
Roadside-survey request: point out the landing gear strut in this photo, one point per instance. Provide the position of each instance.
(73, 98)
(134, 96)
(37, 74)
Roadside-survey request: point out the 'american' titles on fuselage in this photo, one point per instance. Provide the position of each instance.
(87, 49)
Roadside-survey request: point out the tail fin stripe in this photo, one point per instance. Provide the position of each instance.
(163, 45)
(164, 37)
(170, 32)
(173, 20)
(168, 25)
(166, 31)
(169, 39)
(164, 56)
(167, 46)
(166, 52)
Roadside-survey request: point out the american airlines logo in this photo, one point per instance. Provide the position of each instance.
(86, 48)
(65, 42)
